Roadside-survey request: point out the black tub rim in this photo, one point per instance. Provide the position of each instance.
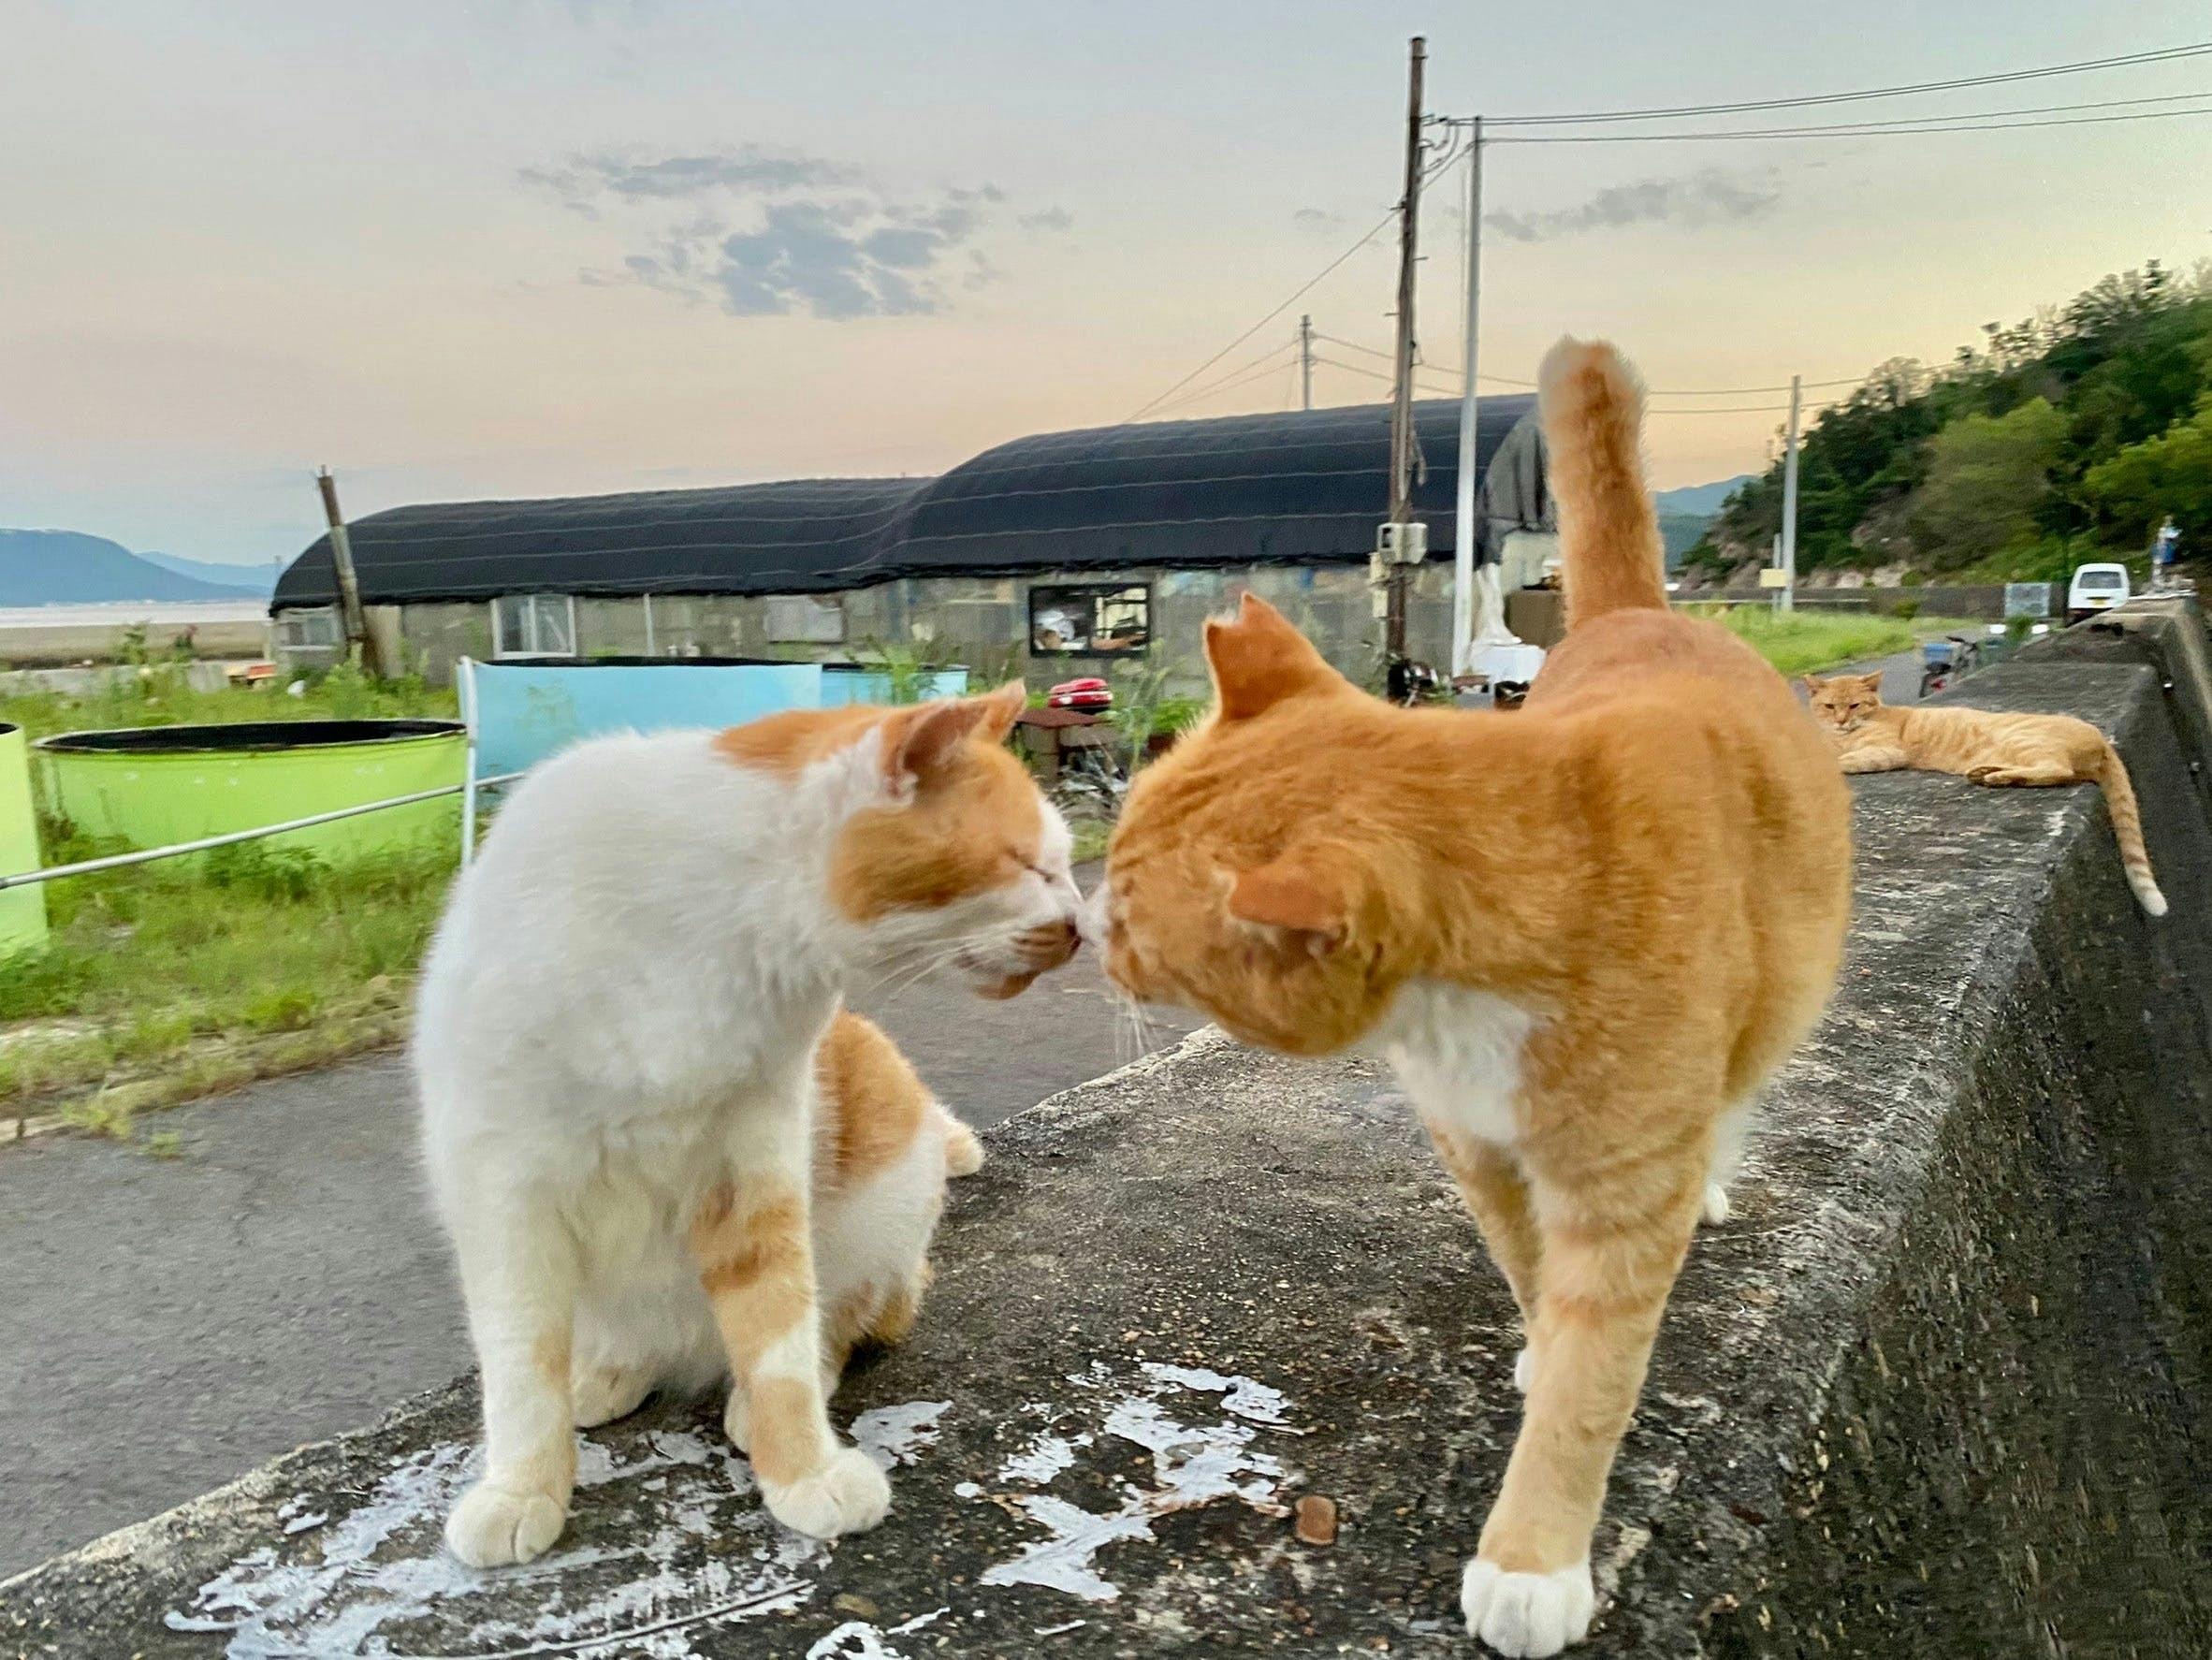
(842, 667)
(245, 737)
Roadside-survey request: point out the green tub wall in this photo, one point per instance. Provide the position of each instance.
(22, 910)
(152, 800)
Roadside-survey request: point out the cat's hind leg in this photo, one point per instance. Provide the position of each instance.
(518, 1272)
(1729, 1137)
(2042, 776)
(601, 1393)
(1491, 1181)
(964, 1152)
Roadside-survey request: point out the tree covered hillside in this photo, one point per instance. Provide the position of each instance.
(2065, 437)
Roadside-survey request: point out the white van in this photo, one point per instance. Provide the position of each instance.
(2095, 588)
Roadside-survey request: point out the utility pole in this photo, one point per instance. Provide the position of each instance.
(1789, 507)
(358, 646)
(1305, 362)
(1478, 601)
(1402, 543)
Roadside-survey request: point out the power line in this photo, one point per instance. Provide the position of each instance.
(1303, 290)
(1846, 380)
(1851, 130)
(1251, 371)
(2162, 55)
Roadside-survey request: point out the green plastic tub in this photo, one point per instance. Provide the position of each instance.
(154, 786)
(22, 910)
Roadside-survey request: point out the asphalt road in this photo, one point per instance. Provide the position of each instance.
(168, 1324)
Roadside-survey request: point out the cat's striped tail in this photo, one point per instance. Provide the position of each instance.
(1608, 530)
(2127, 829)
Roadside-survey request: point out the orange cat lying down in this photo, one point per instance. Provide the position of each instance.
(1986, 748)
(1583, 933)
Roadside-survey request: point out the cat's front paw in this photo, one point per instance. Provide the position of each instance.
(737, 1422)
(1524, 1368)
(846, 1495)
(1527, 1614)
(1716, 1209)
(496, 1527)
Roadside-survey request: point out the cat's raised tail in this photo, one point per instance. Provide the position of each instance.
(1593, 407)
(2127, 829)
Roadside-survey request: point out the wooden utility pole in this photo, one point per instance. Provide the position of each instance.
(1404, 460)
(359, 646)
(1305, 362)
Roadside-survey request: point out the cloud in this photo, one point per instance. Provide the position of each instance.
(1316, 219)
(1702, 198)
(774, 234)
(588, 183)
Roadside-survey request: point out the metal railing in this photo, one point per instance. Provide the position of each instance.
(147, 855)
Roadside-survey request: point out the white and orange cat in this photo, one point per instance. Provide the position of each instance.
(1985, 747)
(617, 1046)
(1583, 933)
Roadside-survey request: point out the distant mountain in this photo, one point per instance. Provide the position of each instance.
(1693, 500)
(254, 579)
(70, 568)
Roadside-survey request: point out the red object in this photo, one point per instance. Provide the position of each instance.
(1090, 692)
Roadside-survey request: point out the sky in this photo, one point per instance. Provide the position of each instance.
(551, 247)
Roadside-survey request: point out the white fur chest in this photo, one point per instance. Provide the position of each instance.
(1458, 1051)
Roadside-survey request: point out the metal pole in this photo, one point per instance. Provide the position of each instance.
(465, 682)
(1789, 509)
(1399, 575)
(1305, 362)
(1464, 625)
(649, 613)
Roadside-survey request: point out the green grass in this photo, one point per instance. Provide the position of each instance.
(1806, 642)
(159, 697)
(177, 979)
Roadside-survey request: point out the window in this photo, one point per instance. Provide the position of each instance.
(313, 630)
(534, 625)
(795, 619)
(1106, 621)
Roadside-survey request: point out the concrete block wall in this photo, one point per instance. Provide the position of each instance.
(980, 621)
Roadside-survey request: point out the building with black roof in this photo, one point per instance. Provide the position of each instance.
(1036, 556)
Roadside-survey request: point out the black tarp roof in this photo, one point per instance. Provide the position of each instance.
(1299, 489)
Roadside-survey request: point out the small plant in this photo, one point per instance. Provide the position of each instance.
(265, 870)
(2019, 628)
(1905, 610)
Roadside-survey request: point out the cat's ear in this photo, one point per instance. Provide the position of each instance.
(1001, 709)
(1302, 898)
(919, 741)
(1871, 681)
(1257, 660)
(1812, 683)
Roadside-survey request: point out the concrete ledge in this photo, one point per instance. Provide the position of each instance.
(1942, 1387)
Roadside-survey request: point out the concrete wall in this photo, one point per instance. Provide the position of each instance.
(1986, 601)
(1940, 1389)
(982, 623)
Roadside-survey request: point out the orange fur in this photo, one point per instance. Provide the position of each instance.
(1985, 747)
(1650, 859)
(974, 820)
(872, 1103)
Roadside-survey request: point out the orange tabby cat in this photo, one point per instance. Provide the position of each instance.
(1987, 748)
(1583, 933)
